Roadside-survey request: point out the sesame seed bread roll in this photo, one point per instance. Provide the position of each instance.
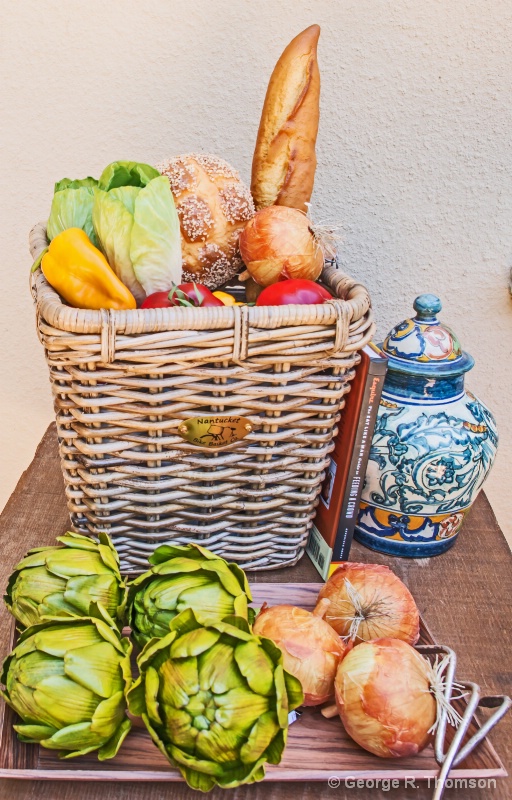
(284, 163)
(213, 206)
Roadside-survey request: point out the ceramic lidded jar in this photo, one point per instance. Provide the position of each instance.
(434, 442)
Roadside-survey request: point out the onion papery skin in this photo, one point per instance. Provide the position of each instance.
(394, 612)
(311, 649)
(278, 243)
(383, 697)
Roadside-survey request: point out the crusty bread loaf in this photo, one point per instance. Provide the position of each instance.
(283, 167)
(213, 205)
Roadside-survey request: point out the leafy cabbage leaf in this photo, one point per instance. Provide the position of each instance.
(72, 208)
(155, 249)
(112, 217)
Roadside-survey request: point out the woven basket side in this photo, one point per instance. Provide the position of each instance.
(122, 388)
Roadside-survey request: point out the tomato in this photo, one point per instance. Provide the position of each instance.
(157, 300)
(294, 290)
(186, 294)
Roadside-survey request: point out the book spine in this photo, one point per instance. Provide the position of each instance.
(359, 461)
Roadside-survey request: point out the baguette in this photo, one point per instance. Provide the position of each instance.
(283, 167)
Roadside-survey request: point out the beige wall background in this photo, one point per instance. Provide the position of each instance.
(414, 152)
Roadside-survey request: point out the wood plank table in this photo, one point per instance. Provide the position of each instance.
(464, 595)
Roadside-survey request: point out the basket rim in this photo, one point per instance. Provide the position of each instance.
(351, 299)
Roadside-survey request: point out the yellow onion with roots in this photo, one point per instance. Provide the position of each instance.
(311, 649)
(386, 697)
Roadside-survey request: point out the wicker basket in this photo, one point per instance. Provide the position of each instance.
(125, 381)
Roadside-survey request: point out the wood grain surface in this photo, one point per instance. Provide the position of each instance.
(464, 595)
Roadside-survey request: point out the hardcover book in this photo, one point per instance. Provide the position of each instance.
(336, 514)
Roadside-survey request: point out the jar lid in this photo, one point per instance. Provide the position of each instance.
(424, 346)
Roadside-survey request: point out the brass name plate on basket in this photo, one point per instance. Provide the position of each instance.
(214, 431)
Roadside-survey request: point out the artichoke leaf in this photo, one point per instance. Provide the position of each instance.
(151, 687)
(26, 611)
(281, 697)
(197, 780)
(218, 671)
(57, 640)
(203, 766)
(136, 697)
(275, 749)
(78, 541)
(194, 642)
(225, 576)
(155, 736)
(219, 744)
(178, 566)
(293, 690)
(95, 668)
(243, 774)
(103, 589)
(165, 592)
(33, 733)
(35, 667)
(154, 647)
(55, 605)
(167, 551)
(236, 630)
(242, 580)
(111, 748)
(180, 681)
(108, 629)
(67, 564)
(256, 667)
(240, 606)
(179, 728)
(262, 733)
(239, 709)
(108, 716)
(37, 583)
(109, 558)
(34, 558)
(79, 736)
(211, 602)
(22, 700)
(65, 701)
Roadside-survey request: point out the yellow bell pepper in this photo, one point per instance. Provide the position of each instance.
(81, 274)
(226, 298)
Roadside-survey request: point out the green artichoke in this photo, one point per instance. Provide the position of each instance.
(215, 700)
(185, 576)
(67, 680)
(62, 581)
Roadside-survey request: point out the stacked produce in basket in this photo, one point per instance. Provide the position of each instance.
(147, 237)
(215, 685)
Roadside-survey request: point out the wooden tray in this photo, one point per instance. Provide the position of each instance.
(317, 748)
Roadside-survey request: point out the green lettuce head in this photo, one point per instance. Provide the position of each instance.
(72, 207)
(137, 227)
(181, 577)
(67, 681)
(215, 700)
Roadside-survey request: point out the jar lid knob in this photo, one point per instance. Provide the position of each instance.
(427, 306)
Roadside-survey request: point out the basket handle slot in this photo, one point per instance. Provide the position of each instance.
(343, 319)
(241, 333)
(108, 336)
